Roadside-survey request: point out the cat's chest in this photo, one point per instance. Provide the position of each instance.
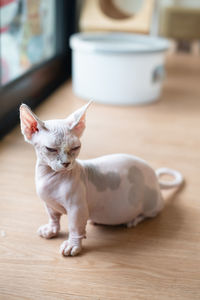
(56, 188)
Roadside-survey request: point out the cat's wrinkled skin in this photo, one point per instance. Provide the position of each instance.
(113, 189)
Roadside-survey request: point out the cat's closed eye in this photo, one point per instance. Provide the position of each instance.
(51, 149)
(74, 149)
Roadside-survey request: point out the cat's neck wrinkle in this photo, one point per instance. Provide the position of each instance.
(42, 169)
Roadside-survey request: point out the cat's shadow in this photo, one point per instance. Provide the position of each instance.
(164, 226)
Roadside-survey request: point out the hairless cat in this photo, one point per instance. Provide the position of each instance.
(112, 189)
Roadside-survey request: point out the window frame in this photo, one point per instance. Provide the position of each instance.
(35, 85)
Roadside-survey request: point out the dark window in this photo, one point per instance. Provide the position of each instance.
(34, 52)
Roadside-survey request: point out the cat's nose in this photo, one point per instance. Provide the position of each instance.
(66, 164)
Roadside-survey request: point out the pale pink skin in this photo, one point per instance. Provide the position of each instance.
(113, 189)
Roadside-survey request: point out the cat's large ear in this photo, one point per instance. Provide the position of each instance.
(30, 123)
(76, 121)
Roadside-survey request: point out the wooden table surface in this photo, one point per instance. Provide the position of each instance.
(159, 259)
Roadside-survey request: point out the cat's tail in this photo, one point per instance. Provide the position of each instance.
(164, 185)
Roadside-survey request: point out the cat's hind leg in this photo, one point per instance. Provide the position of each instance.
(135, 221)
(141, 218)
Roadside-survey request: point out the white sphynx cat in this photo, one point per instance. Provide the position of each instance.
(113, 189)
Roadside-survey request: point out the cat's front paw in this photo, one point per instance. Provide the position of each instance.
(70, 248)
(48, 231)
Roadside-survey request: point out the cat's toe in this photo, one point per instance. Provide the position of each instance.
(75, 250)
(67, 249)
(62, 247)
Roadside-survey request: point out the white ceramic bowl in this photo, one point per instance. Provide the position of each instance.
(118, 68)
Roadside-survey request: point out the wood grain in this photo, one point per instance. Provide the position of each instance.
(159, 259)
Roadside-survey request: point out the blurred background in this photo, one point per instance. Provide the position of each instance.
(35, 56)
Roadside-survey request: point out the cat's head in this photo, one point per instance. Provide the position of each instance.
(57, 142)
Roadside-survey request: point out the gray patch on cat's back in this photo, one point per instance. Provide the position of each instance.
(134, 195)
(150, 199)
(96, 177)
(135, 175)
(113, 180)
(136, 191)
(103, 181)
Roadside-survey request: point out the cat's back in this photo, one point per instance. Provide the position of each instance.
(119, 170)
(114, 161)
